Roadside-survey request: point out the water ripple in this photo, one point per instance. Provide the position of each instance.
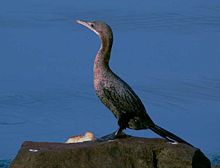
(41, 97)
(4, 163)
(129, 20)
(215, 160)
(169, 94)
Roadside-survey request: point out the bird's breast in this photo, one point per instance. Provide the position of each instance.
(99, 84)
(101, 77)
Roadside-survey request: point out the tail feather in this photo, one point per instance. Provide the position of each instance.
(167, 135)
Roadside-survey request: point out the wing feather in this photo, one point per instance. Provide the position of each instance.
(123, 100)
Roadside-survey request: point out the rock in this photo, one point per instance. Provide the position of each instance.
(130, 152)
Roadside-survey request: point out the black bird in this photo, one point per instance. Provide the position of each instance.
(116, 94)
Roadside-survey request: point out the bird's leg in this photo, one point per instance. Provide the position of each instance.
(119, 132)
(122, 122)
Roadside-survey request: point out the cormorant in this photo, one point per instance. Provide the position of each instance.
(116, 94)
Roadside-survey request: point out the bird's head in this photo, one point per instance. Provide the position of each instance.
(102, 29)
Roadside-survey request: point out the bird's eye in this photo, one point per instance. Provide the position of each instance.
(92, 25)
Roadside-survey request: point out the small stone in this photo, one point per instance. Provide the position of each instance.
(89, 136)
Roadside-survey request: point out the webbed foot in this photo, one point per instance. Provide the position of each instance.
(113, 136)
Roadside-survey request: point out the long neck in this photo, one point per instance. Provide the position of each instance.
(101, 64)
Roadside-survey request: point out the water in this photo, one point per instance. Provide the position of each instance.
(4, 163)
(167, 51)
(216, 160)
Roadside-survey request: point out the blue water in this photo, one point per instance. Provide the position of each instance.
(167, 51)
(4, 163)
(215, 160)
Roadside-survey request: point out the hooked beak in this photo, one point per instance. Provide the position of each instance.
(88, 25)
